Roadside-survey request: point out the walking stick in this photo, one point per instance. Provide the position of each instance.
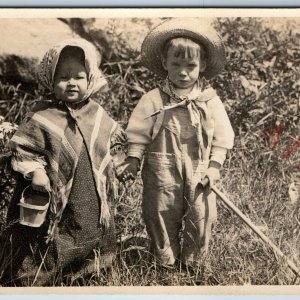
(229, 204)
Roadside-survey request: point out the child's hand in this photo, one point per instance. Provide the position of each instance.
(40, 181)
(213, 175)
(129, 169)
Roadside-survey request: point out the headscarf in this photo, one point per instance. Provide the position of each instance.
(47, 67)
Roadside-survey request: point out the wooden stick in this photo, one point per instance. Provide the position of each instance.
(239, 213)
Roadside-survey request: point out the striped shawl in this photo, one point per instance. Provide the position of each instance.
(54, 134)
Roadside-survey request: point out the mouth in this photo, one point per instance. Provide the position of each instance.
(71, 91)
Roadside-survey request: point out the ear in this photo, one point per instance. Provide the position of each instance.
(202, 66)
(164, 63)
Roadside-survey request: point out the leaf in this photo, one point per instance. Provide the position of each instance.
(290, 52)
(138, 88)
(256, 111)
(270, 63)
(245, 83)
(251, 50)
(296, 84)
(293, 193)
(248, 86)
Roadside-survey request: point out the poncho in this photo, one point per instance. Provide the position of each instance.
(46, 135)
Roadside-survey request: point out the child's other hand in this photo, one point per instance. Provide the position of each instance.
(40, 181)
(213, 175)
(129, 169)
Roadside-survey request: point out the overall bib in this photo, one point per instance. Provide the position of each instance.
(178, 217)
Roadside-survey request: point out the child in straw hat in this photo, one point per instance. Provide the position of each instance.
(66, 146)
(182, 131)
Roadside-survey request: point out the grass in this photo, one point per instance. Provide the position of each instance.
(236, 255)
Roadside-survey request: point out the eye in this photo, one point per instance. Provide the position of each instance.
(192, 65)
(81, 76)
(174, 64)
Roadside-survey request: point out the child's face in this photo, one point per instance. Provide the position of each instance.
(183, 72)
(70, 80)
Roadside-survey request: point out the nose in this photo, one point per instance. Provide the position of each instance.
(71, 81)
(183, 73)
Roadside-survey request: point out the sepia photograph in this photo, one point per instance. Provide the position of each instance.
(149, 147)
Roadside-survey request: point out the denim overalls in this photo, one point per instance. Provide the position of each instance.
(178, 218)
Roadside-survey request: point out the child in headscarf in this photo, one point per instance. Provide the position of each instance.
(182, 132)
(65, 146)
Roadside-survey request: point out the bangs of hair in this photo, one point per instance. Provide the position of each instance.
(184, 47)
(72, 51)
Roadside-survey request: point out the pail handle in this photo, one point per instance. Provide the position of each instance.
(28, 187)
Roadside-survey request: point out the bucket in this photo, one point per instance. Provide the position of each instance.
(33, 207)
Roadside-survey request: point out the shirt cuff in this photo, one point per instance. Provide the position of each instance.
(136, 150)
(26, 167)
(218, 154)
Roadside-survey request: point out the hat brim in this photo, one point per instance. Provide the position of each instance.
(199, 31)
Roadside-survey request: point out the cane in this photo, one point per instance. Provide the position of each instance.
(230, 205)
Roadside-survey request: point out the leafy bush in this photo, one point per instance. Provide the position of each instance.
(7, 130)
(128, 79)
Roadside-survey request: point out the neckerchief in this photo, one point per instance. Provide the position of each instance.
(195, 103)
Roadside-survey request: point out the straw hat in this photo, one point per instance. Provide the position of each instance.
(196, 29)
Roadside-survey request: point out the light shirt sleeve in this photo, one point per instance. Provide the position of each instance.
(25, 167)
(140, 127)
(218, 154)
(223, 133)
(223, 137)
(25, 160)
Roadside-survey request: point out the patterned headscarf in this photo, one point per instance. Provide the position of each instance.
(47, 67)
